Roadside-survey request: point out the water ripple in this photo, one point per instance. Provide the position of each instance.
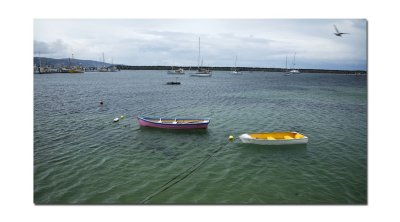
(82, 157)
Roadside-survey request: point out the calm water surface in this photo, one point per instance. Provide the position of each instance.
(82, 157)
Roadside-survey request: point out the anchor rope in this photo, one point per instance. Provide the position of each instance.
(184, 174)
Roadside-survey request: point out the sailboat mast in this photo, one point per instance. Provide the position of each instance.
(198, 59)
(286, 63)
(235, 62)
(294, 60)
(103, 61)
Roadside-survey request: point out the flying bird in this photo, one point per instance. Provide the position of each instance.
(337, 33)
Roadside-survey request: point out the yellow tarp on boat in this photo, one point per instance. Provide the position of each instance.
(277, 136)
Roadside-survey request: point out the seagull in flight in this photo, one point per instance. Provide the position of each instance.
(337, 33)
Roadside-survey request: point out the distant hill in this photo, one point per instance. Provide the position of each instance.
(66, 62)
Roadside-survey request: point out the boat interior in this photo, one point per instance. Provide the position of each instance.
(178, 121)
(277, 136)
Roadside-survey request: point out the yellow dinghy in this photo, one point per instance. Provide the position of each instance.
(274, 138)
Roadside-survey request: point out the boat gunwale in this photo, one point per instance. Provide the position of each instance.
(304, 137)
(153, 122)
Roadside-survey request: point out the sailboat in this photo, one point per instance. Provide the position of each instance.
(287, 73)
(293, 70)
(103, 68)
(113, 68)
(201, 72)
(179, 71)
(235, 71)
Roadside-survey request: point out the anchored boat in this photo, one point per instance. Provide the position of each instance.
(179, 71)
(201, 72)
(274, 138)
(235, 71)
(294, 70)
(176, 123)
(173, 83)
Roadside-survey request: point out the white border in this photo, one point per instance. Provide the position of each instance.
(17, 102)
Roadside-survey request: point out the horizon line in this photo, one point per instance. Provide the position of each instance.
(189, 66)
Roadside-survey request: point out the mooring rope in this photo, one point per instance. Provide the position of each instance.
(185, 174)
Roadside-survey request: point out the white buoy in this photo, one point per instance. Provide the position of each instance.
(231, 138)
(116, 120)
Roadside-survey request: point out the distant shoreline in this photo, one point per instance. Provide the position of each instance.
(250, 69)
(93, 64)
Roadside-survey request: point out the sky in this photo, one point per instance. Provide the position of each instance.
(175, 42)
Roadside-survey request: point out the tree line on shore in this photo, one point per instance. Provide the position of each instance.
(250, 69)
(90, 63)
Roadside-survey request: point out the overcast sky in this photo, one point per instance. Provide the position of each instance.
(256, 42)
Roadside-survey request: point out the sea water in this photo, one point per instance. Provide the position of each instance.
(82, 157)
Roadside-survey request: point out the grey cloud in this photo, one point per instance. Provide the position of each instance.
(175, 42)
(56, 47)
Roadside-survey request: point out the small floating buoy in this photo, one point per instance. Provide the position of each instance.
(101, 102)
(231, 138)
(122, 116)
(116, 120)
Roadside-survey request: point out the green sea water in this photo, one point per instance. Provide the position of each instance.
(82, 157)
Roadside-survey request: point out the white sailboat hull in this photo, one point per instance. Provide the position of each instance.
(201, 74)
